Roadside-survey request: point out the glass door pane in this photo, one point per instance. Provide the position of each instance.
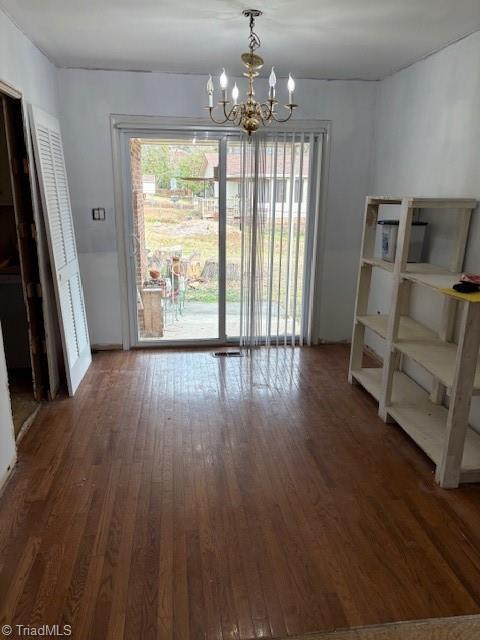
(175, 207)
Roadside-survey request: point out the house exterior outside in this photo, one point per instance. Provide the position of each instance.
(282, 184)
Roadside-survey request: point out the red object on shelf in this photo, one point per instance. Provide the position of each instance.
(470, 277)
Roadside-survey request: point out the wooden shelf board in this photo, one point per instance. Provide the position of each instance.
(426, 422)
(422, 420)
(378, 262)
(424, 273)
(384, 200)
(409, 330)
(426, 203)
(431, 276)
(437, 357)
(443, 203)
(371, 379)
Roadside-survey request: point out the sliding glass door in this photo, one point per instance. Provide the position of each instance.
(192, 242)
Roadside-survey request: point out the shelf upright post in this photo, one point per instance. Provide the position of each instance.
(450, 305)
(390, 361)
(461, 237)
(363, 285)
(448, 471)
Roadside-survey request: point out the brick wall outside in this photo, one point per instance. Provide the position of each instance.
(138, 222)
(138, 212)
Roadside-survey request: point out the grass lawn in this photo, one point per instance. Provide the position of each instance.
(167, 227)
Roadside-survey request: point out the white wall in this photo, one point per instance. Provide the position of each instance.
(428, 143)
(23, 66)
(27, 70)
(89, 97)
(428, 130)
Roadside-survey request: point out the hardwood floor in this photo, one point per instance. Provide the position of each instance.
(183, 496)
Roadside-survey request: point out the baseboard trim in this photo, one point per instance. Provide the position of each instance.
(106, 347)
(4, 478)
(27, 424)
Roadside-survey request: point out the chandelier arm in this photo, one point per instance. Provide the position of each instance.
(210, 109)
(266, 112)
(238, 117)
(267, 123)
(237, 113)
(228, 117)
(263, 118)
(231, 114)
(277, 119)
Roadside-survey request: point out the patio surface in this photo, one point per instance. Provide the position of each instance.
(199, 321)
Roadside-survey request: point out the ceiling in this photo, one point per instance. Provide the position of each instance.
(367, 39)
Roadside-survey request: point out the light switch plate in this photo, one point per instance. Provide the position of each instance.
(98, 213)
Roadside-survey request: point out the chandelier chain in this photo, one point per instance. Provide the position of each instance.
(254, 38)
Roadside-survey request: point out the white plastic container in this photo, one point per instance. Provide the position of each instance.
(389, 240)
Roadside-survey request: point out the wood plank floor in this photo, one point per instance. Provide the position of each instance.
(183, 496)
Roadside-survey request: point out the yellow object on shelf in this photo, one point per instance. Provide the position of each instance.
(469, 297)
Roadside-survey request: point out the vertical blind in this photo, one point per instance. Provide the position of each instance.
(279, 195)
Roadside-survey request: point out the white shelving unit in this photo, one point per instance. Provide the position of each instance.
(443, 433)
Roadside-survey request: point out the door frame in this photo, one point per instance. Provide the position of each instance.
(221, 139)
(158, 126)
(48, 305)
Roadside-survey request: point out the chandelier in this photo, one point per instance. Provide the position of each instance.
(250, 115)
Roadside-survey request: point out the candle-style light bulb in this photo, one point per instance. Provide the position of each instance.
(235, 93)
(291, 88)
(224, 85)
(210, 91)
(223, 80)
(272, 81)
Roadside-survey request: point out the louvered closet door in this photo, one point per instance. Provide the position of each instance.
(61, 240)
